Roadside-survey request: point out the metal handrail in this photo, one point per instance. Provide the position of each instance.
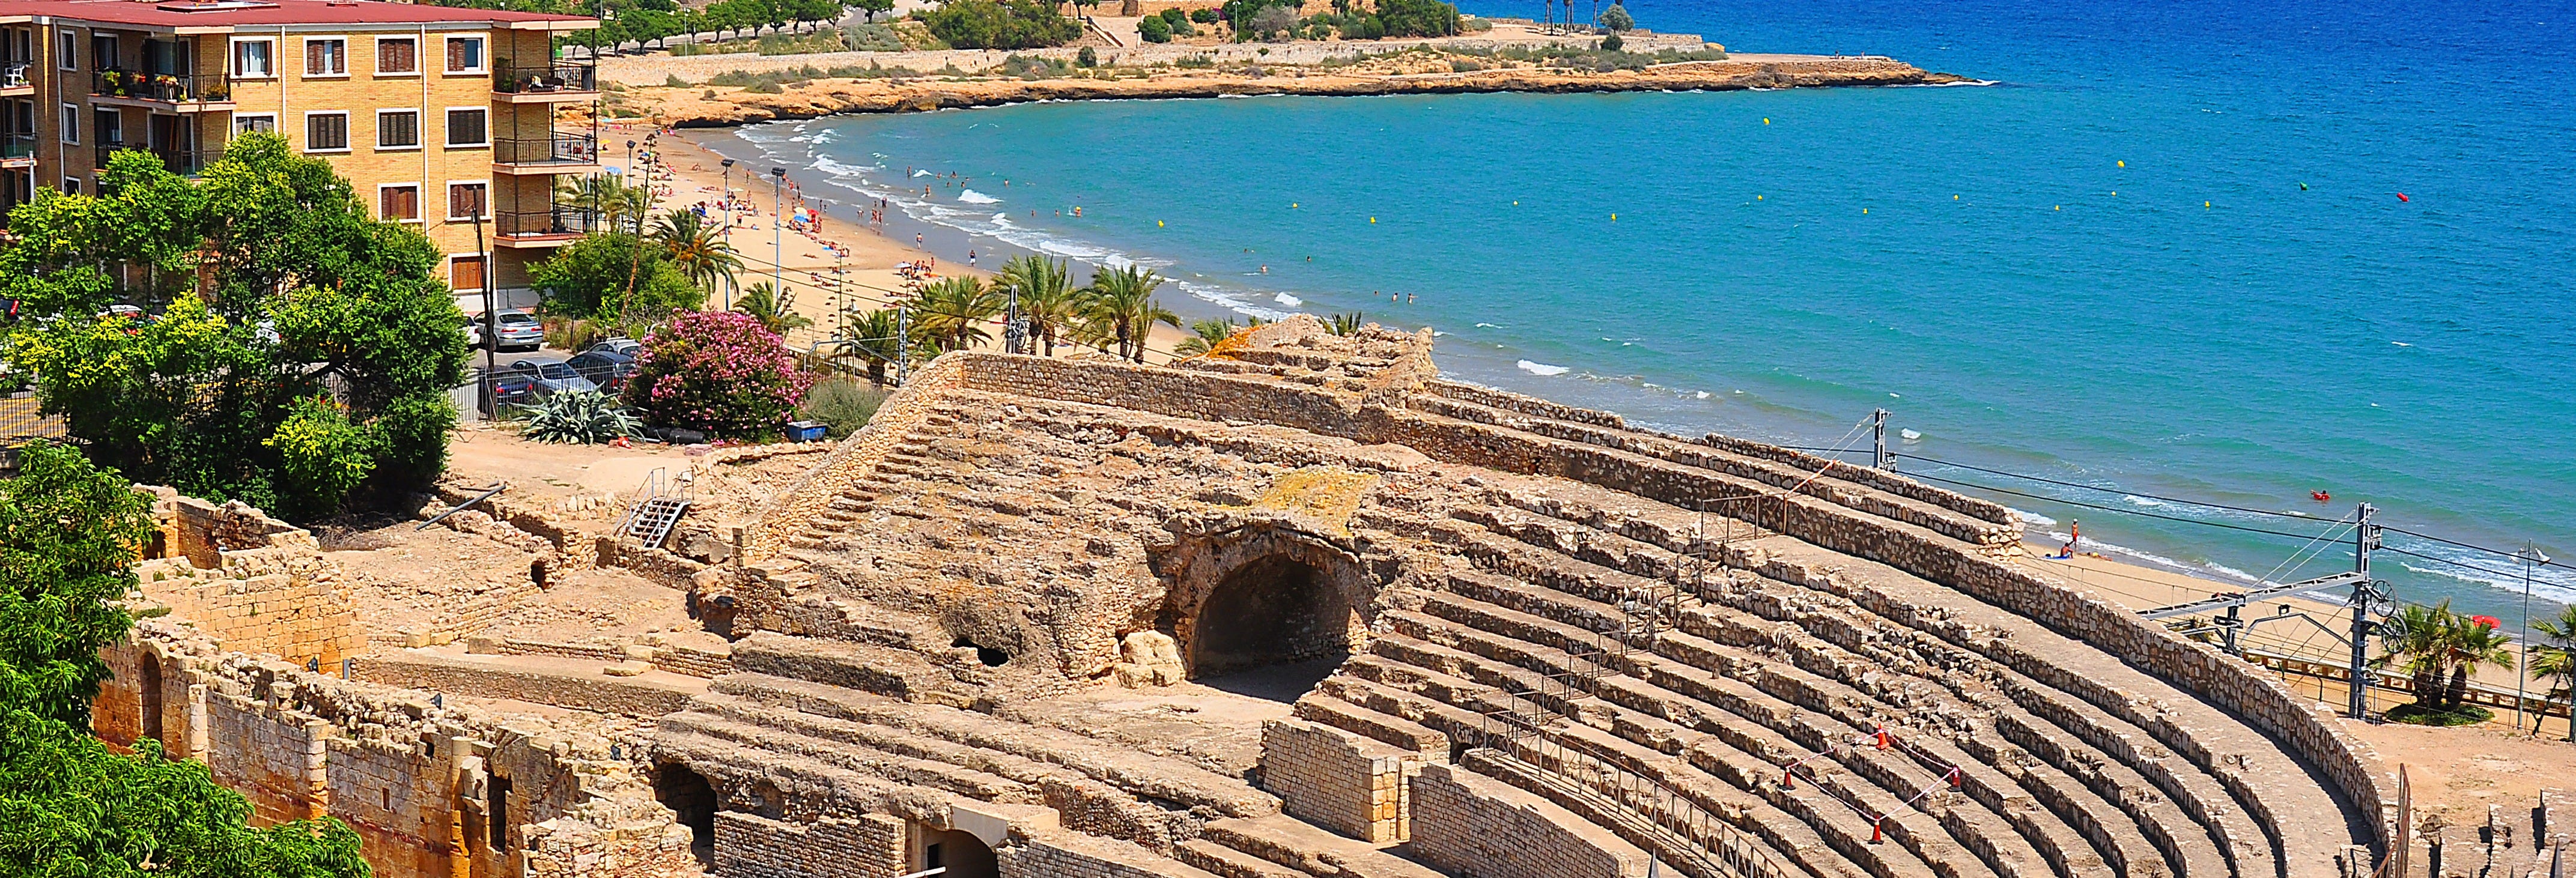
(18, 145)
(177, 88)
(1714, 845)
(558, 76)
(557, 220)
(15, 75)
(564, 147)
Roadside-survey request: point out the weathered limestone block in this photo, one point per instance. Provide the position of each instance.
(1149, 658)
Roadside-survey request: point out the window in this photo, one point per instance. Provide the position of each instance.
(254, 59)
(326, 132)
(102, 51)
(398, 202)
(263, 122)
(67, 51)
(464, 273)
(110, 130)
(71, 185)
(465, 127)
(71, 123)
(397, 129)
(464, 54)
(397, 55)
(326, 57)
(465, 201)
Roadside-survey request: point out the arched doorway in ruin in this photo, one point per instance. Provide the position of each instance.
(958, 851)
(693, 800)
(1265, 610)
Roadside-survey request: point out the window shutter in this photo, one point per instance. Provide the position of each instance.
(456, 55)
(313, 57)
(396, 56)
(465, 273)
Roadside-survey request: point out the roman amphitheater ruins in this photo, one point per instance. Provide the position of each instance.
(1300, 607)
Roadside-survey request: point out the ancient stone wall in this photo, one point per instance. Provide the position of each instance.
(258, 584)
(1338, 780)
(883, 435)
(752, 846)
(421, 781)
(1061, 856)
(1477, 827)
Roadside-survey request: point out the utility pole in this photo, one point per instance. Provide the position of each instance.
(491, 313)
(1011, 322)
(902, 344)
(2522, 670)
(2365, 594)
(777, 236)
(1878, 437)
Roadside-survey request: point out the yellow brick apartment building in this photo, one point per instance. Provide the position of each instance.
(438, 115)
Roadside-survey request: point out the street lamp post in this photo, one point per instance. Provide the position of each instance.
(778, 234)
(2530, 554)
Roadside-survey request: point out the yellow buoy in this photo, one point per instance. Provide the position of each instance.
(1372, 221)
(2115, 192)
(2204, 204)
(1158, 224)
(2059, 207)
(1516, 204)
(1757, 198)
(2124, 164)
(1614, 217)
(1954, 198)
(1864, 210)
(1766, 120)
(1292, 205)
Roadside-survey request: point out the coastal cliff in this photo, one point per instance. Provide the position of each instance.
(693, 107)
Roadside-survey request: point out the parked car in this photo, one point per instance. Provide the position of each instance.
(553, 378)
(518, 330)
(513, 388)
(473, 332)
(603, 367)
(617, 345)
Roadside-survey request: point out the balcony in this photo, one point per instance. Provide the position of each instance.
(561, 153)
(18, 78)
(552, 227)
(18, 150)
(558, 81)
(185, 162)
(177, 92)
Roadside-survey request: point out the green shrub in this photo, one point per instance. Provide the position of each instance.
(1616, 18)
(843, 405)
(321, 457)
(1612, 42)
(764, 88)
(999, 24)
(1087, 57)
(1031, 67)
(1204, 16)
(1196, 62)
(1154, 29)
(1417, 18)
(581, 417)
(674, 82)
(871, 38)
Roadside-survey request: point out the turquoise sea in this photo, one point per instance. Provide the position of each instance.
(2164, 253)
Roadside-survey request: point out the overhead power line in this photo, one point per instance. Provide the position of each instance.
(2553, 562)
(2202, 503)
(2043, 497)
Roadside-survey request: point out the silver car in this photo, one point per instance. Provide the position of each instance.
(552, 378)
(518, 331)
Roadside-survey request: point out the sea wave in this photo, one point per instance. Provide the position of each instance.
(1288, 300)
(971, 196)
(1541, 369)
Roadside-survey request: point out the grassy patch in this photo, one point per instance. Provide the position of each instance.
(2428, 715)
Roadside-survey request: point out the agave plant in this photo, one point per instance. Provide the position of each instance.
(579, 416)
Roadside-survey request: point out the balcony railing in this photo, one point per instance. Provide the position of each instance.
(562, 148)
(544, 78)
(179, 161)
(15, 75)
(557, 220)
(177, 88)
(21, 145)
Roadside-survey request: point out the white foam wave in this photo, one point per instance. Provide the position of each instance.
(1288, 300)
(1703, 394)
(971, 196)
(1488, 326)
(921, 172)
(1542, 369)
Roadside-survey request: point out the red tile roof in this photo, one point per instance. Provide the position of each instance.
(188, 13)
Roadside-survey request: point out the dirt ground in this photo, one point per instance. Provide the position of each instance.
(2457, 772)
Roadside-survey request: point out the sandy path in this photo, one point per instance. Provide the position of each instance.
(823, 283)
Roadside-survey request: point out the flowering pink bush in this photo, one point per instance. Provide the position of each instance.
(717, 372)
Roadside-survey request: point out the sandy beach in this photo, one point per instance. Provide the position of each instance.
(822, 282)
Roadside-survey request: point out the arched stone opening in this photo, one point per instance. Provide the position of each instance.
(1275, 610)
(689, 795)
(958, 851)
(147, 684)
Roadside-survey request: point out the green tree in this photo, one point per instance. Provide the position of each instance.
(953, 310)
(2556, 662)
(999, 24)
(613, 276)
(1123, 309)
(606, 196)
(1048, 300)
(775, 312)
(874, 8)
(1204, 334)
(1418, 18)
(2473, 644)
(280, 288)
(877, 339)
(73, 807)
(1616, 18)
(695, 248)
(2439, 649)
(1154, 29)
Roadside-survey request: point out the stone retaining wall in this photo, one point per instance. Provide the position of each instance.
(1478, 827)
(1338, 780)
(884, 434)
(595, 693)
(258, 584)
(412, 776)
(752, 846)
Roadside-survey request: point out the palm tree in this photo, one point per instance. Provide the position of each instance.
(1123, 309)
(1204, 334)
(876, 339)
(2474, 644)
(953, 311)
(2413, 640)
(695, 248)
(777, 312)
(1048, 299)
(606, 196)
(2557, 661)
